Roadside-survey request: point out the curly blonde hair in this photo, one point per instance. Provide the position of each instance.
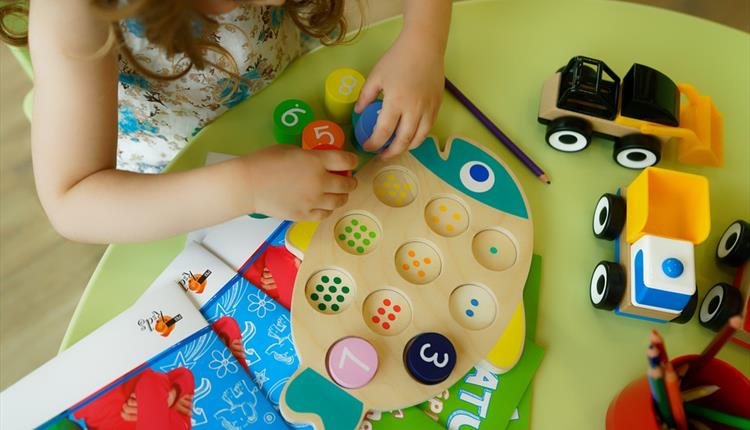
(180, 28)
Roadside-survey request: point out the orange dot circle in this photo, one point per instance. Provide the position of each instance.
(421, 273)
(427, 260)
(412, 253)
(416, 263)
(405, 266)
(436, 219)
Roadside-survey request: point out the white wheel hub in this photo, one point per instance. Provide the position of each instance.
(600, 273)
(706, 313)
(567, 141)
(601, 206)
(636, 158)
(729, 240)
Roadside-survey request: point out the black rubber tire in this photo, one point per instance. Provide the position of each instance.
(609, 217)
(687, 313)
(569, 134)
(720, 303)
(607, 285)
(637, 151)
(733, 248)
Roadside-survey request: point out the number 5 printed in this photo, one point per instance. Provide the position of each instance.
(322, 131)
(433, 358)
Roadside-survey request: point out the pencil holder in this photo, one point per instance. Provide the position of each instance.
(633, 408)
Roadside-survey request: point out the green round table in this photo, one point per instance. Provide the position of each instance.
(499, 53)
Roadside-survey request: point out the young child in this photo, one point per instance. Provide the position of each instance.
(120, 86)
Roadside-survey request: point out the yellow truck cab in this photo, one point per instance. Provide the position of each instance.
(640, 113)
(655, 224)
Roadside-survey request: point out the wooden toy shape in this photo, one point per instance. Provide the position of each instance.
(723, 300)
(342, 89)
(653, 278)
(322, 133)
(289, 120)
(426, 335)
(366, 125)
(640, 113)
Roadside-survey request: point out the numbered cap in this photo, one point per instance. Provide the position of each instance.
(430, 358)
(344, 85)
(322, 133)
(366, 124)
(289, 119)
(352, 362)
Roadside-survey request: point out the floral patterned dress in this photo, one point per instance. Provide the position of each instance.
(156, 119)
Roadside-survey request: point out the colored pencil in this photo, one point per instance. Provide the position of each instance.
(715, 346)
(654, 359)
(495, 130)
(730, 420)
(672, 383)
(699, 392)
(658, 342)
(660, 395)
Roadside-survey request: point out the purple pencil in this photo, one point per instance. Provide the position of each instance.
(505, 140)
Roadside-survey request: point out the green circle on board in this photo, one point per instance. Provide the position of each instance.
(342, 237)
(366, 242)
(327, 297)
(355, 222)
(335, 307)
(348, 229)
(319, 288)
(322, 306)
(340, 298)
(314, 296)
(357, 236)
(493, 250)
(363, 228)
(332, 289)
(345, 290)
(372, 235)
(325, 279)
(350, 243)
(360, 249)
(337, 280)
(291, 116)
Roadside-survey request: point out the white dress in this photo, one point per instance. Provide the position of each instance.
(156, 119)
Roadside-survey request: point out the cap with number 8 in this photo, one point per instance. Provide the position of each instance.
(341, 92)
(289, 119)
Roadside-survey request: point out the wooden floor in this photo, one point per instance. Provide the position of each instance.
(42, 275)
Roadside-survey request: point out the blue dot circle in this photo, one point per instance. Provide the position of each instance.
(479, 173)
(474, 302)
(672, 267)
(469, 312)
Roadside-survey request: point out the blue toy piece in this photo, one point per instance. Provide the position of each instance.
(672, 267)
(365, 125)
(430, 358)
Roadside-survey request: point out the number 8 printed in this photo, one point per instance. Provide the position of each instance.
(348, 83)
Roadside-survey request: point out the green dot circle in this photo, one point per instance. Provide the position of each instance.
(363, 228)
(340, 298)
(314, 297)
(348, 229)
(325, 279)
(355, 221)
(350, 243)
(360, 249)
(332, 289)
(319, 288)
(493, 250)
(337, 280)
(327, 297)
(366, 242)
(357, 236)
(345, 290)
(322, 306)
(342, 237)
(335, 307)
(372, 235)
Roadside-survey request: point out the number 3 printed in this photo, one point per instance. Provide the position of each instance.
(433, 358)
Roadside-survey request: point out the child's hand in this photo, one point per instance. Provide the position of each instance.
(411, 77)
(287, 182)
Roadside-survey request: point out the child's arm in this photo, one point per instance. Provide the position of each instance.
(411, 76)
(74, 145)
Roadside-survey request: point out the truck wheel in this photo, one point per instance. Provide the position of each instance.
(607, 285)
(734, 246)
(689, 310)
(722, 302)
(637, 151)
(609, 216)
(569, 134)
